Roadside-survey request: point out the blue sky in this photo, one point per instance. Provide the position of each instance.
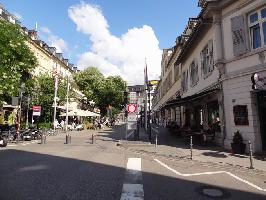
(122, 20)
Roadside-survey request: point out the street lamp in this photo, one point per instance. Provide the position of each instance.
(21, 90)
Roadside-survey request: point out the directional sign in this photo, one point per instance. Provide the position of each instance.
(131, 108)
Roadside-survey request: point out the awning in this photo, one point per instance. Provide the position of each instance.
(180, 101)
(81, 113)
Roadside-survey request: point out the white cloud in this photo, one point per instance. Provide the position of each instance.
(53, 40)
(45, 29)
(113, 55)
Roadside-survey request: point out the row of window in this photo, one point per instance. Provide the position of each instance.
(206, 63)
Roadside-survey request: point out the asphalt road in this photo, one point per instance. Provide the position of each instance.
(102, 170)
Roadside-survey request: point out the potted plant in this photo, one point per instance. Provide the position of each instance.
(238, 146)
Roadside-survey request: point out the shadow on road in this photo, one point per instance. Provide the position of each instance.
(28, 175)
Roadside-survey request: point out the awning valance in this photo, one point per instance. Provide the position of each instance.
(181, 101)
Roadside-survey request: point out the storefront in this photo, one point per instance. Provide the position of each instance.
(261, 98)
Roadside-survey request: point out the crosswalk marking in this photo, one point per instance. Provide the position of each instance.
(133, 187)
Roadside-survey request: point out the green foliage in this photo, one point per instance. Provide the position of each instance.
(103, 91)
(16, 60)
(44, 95)
(45, 125)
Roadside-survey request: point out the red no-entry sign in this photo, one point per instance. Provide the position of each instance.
(131, 108)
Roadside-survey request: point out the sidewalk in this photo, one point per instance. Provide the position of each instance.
(170, 146)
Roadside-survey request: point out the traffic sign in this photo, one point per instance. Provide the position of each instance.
(131, 108)
(132, 117)
(36, 110)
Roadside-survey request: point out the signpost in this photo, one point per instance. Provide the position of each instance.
(132, 109)
(36, 110)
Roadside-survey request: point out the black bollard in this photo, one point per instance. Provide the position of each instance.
(67, 139)
(191, 147)
(250, 156)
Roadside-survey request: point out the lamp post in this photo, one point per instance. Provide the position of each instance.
(68, 86)
(21, 90)
(149, 115)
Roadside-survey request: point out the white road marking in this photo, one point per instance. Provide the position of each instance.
(132, 188)
(211, 173)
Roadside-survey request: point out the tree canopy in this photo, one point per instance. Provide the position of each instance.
(103, 91)
(16, 60)
(43, 95)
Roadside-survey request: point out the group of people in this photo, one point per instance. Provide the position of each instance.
(100, 123)
(72, 125)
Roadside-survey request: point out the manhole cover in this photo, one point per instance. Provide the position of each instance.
(212, 192)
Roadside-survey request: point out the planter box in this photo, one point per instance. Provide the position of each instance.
(238, 148)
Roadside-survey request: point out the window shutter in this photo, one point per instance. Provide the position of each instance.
(238, 35)
(210, 47)
(197, 70)
(201, 63)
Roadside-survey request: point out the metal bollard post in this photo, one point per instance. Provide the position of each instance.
(250, 156)
(66, 139)
(191, 147)
(69, 138)
(92, 138)
(42, 139)
(156, 139)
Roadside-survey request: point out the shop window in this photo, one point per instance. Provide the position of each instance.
(194, 77)
(240, 114)
(257, 28)
(207, 59)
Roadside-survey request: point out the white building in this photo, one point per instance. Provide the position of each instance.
(218, 53)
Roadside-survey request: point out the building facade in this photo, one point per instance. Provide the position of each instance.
(219, 52)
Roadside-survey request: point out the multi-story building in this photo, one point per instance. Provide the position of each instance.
(224, 47)
(49, 61)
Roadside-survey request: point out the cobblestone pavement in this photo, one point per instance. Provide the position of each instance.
(171, 147)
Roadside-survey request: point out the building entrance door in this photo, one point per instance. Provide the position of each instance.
(262, 117)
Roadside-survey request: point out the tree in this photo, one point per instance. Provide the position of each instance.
(16, 60)
(44, 95)
(103, 91)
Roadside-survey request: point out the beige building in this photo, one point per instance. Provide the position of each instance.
(220, 50)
